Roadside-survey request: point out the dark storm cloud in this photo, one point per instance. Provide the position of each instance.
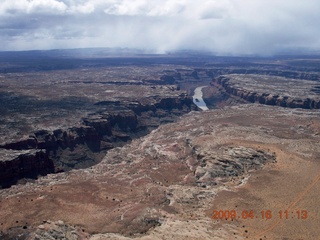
(221, 26)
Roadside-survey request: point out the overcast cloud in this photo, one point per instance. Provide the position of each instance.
(220, 26)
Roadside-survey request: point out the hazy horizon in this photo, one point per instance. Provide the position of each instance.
(222, 27)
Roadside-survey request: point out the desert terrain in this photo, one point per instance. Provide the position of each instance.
(117, 148)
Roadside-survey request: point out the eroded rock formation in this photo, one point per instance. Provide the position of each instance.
(85, 145)
(168, 182)
(290, 93)
(229, 162)
(16, 165)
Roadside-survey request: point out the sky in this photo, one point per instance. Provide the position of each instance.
(223, 27)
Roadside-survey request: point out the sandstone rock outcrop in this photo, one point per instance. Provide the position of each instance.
(229, 162)
(283, 92)
(47, 230)
(17, 165)
(263, 70)
(170, 181)
(84, 146)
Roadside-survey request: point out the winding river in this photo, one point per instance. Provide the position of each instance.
(198, 100)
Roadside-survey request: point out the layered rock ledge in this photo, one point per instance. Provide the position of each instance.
(16, 165)
(272, 90)
(48, 151)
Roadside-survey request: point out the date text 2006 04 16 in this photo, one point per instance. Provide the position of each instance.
(264, 214)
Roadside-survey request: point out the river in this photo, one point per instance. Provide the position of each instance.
(198, 100)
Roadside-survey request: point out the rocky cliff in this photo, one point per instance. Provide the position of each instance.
(285, 93)
(85, 145)
(312, 76)
(23, 164)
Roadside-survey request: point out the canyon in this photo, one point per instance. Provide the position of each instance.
(117, 148)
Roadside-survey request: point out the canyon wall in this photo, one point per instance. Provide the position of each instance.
(267, 98)
(85, 145)
(23, 164)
